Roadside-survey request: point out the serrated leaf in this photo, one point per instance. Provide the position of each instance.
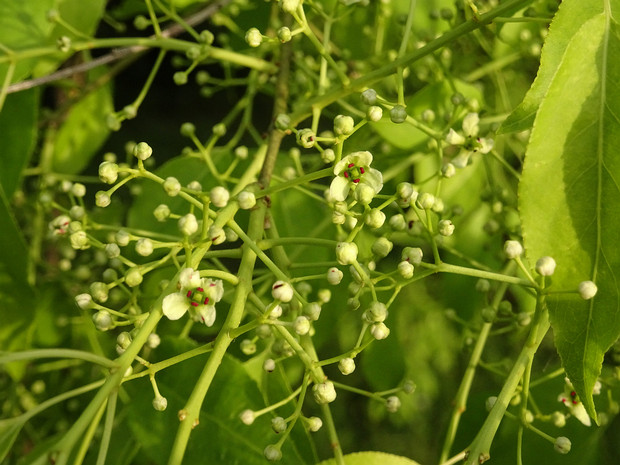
(372, 458)
(571, 15)
(570, 198)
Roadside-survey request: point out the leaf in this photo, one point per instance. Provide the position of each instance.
(220, 437)
(435, 96)
(84, 130)
(9, 430)
(13, 251)
(570, 198)
(372, 458)
(571, 15)
(18, 126)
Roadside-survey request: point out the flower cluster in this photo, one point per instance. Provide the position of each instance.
(197, 295)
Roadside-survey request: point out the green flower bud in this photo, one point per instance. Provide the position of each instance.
(172, 186)
(448, 170)
(376, 313)
(346, 366)
(283, 122)
(301, 325)
(79, 240)
(398, 114)
(77, 212)
(122, 237)
(483, 285)
(558, 419)
(206, 37)
(488, 314)
(513, 249)
(144, 247)
(284, 34)
(587, 290)
(545, 266)
(248, 347)
(406, 269)
(153, 341)
(160, 403)
(102, 199)
(379, 331)
(445, 228)
(328, 156)
(398, 222)
(103, 320)
(219, 196)
(346, 253)
(276, 312)
(162, 212)
(84, 301)
(289, 6)
(343, 125)
(246, 200)
(272, 453)
(241, 152)
(278, 424)
(382, 247)
(412, 255)
(314, 424)
(188, 224)
(392, 404)
(324, 393)
(219, 130)
(374, 113)
(369, 97)
(217, 234)
(123, 339)
(562, 445)
(306, 138)
(78, 189)
(426, 201)
(253, 37)
(180, 78)
(282, 291)
(140, 22)
(247, 417)
(374, 218)
(312, 310)
(404, 191)
(188, 129)
(269, 365)
(324, 295)
(133, 277)
(142, 151)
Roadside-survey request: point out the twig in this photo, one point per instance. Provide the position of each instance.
(116, 54)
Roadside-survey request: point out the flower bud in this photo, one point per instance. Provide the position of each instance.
(398, 222)
(545, 266)
(426, 201)
(78, 189)
(219, 196)
(406, 269)
(133, 277)
(162, 212)
(382, 247)
(364, 194)
(562, 445)
(369, 97)
(558, 419)
(513, 249)
(324, 295)
(112, 250)
(79, 240)
(413, 255)
(189, 279)
(248, 347)
(188, 129)
(282, 291)
(379, 331)
(246, 200)
(144, 247)
(108, 172)
(153, 341)
(272, 453)
(142, 151)
(448, 170)
(312, 310)
(346, 366)
(398, 114)
(283, 122)
(83, 301)
(306, 138)
(241, 152)
(314, 424)
(247, 417)
(122, 237)
(269, 365)
(123, 339)
(445, 228)
(374, 113)
(289, 6)
(302, 325)
(102, 320)
(346, 253)
(219, 130)
(343, 125)
(102, 199)
(392, 404)
(376, 313)
(278, 425)
(324, 393)
(217, 234)
(587, 290)
(374, 218)
(160, 403)
(276, 312)
(284, 34)
(172, 186)
(188, 224)
(328, 156)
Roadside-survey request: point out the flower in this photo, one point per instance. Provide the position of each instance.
(198, 296)
(570, 399)
(353, 171)
(470, 143)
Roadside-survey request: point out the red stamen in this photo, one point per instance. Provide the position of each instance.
(206, 301)
(356, 180)
(573, 393)
(362, 170)
(189, 294)
(194, 304)
(346, 174)
(200, 289)
(575, 402)
(350, 165)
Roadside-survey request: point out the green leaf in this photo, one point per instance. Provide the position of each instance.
(84, 130)
(570, 198)
(18, 126)
(9, 430)
(13, 251)
(220, 437)
(571, 15)
(372, 458)
(435, 96)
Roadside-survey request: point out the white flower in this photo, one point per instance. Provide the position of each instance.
(469, 141)
(354, 170)
(199, 300)
(570, 399)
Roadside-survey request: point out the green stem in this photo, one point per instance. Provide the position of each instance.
(57, 353)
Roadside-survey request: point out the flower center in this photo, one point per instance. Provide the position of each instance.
(197, 297)
(353, 172)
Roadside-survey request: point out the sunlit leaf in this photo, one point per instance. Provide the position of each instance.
(372, 458)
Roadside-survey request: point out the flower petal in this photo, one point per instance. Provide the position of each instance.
(206, 314)
(339, 189)
(454, 138)
(374, 179)
(461, 160)
(470, 124)
(213, 289)
(342, 165)
(486, 145)
(175, 305)
(189, 278)
(579, 412)
(363, 158)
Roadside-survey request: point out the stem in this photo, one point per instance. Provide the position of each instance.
(57, 353)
